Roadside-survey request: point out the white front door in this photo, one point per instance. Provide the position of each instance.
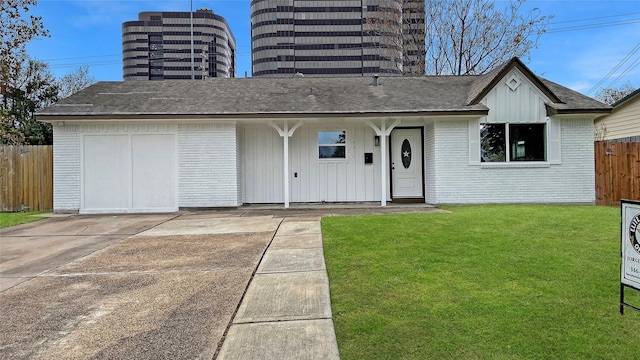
(406, 164)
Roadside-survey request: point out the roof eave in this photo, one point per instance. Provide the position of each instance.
(598, 112)
(52, 117)
(626, 99)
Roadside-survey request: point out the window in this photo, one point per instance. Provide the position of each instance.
(515, 142)
(492, 143)
(332, 144)
(527, 142)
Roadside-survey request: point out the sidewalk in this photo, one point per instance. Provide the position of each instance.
(286, 311)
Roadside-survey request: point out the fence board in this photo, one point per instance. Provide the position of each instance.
(603, 173)
(26, 178)
(617, 174)
(635, 173)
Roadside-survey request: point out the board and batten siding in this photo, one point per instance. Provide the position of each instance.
(334, 180)
(459, 182)
(208, 165)
(66, 169)
(524, 104)
(623, 122)
(311, 179)
(239, 166)
(263, 152)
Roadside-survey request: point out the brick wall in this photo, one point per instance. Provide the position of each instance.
(66, 170)
(571, 181)
(430, 164)
(207, 165)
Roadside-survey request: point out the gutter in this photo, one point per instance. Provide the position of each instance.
(51, 117)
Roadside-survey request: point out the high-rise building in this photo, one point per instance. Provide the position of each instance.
(158, 46)
(329, 38)
(413, 37)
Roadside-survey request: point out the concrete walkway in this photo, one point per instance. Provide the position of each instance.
(286, 311)
(246, 283)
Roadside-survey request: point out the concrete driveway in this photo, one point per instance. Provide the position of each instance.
(127, 286)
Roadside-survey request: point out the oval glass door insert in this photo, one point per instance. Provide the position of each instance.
(406, 153)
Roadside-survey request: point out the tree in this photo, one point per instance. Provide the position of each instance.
(610, 96)
(31, 86)
(16, 31)
(9, 133)
(469, 37)
(600, 132)
(75, 81)
(398, 26)
(413, 37)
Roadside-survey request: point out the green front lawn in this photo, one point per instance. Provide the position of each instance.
(17, 218)
(481, 282)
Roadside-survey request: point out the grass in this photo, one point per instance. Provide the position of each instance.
(17, 218)
(481, 282)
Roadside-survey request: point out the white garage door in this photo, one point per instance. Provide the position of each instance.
(129, 173)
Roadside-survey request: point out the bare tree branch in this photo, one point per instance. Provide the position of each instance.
(399, 26)
(610, 96)
(480, 35)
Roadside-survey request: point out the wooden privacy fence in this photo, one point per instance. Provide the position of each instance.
(26, 178)
(617, 172)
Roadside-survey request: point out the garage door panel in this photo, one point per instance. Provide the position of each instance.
(106, 172)
(129, 172)
(154, 172)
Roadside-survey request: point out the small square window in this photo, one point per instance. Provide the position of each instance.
(332, 144)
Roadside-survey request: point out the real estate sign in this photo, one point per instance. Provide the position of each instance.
(630, 244)
(629, 250)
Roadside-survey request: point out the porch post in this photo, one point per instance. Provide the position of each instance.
(286, 133)
(384, 133)
(383, 160)
(286, 164)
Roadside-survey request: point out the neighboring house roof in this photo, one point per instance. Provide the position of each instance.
(626, 99)
(355, 96)
(623, 123)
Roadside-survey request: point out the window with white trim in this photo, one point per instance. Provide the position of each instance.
(332, 144)
(507, 142)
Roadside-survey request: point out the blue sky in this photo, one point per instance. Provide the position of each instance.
(576, 54)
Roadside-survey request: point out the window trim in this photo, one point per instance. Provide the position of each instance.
(508, 163)
(344, 145)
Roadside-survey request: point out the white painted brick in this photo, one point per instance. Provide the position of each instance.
(572, 181)
(66, 169)
(208, 165)
(430, 164)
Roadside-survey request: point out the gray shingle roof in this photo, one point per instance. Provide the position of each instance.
(281, 96)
